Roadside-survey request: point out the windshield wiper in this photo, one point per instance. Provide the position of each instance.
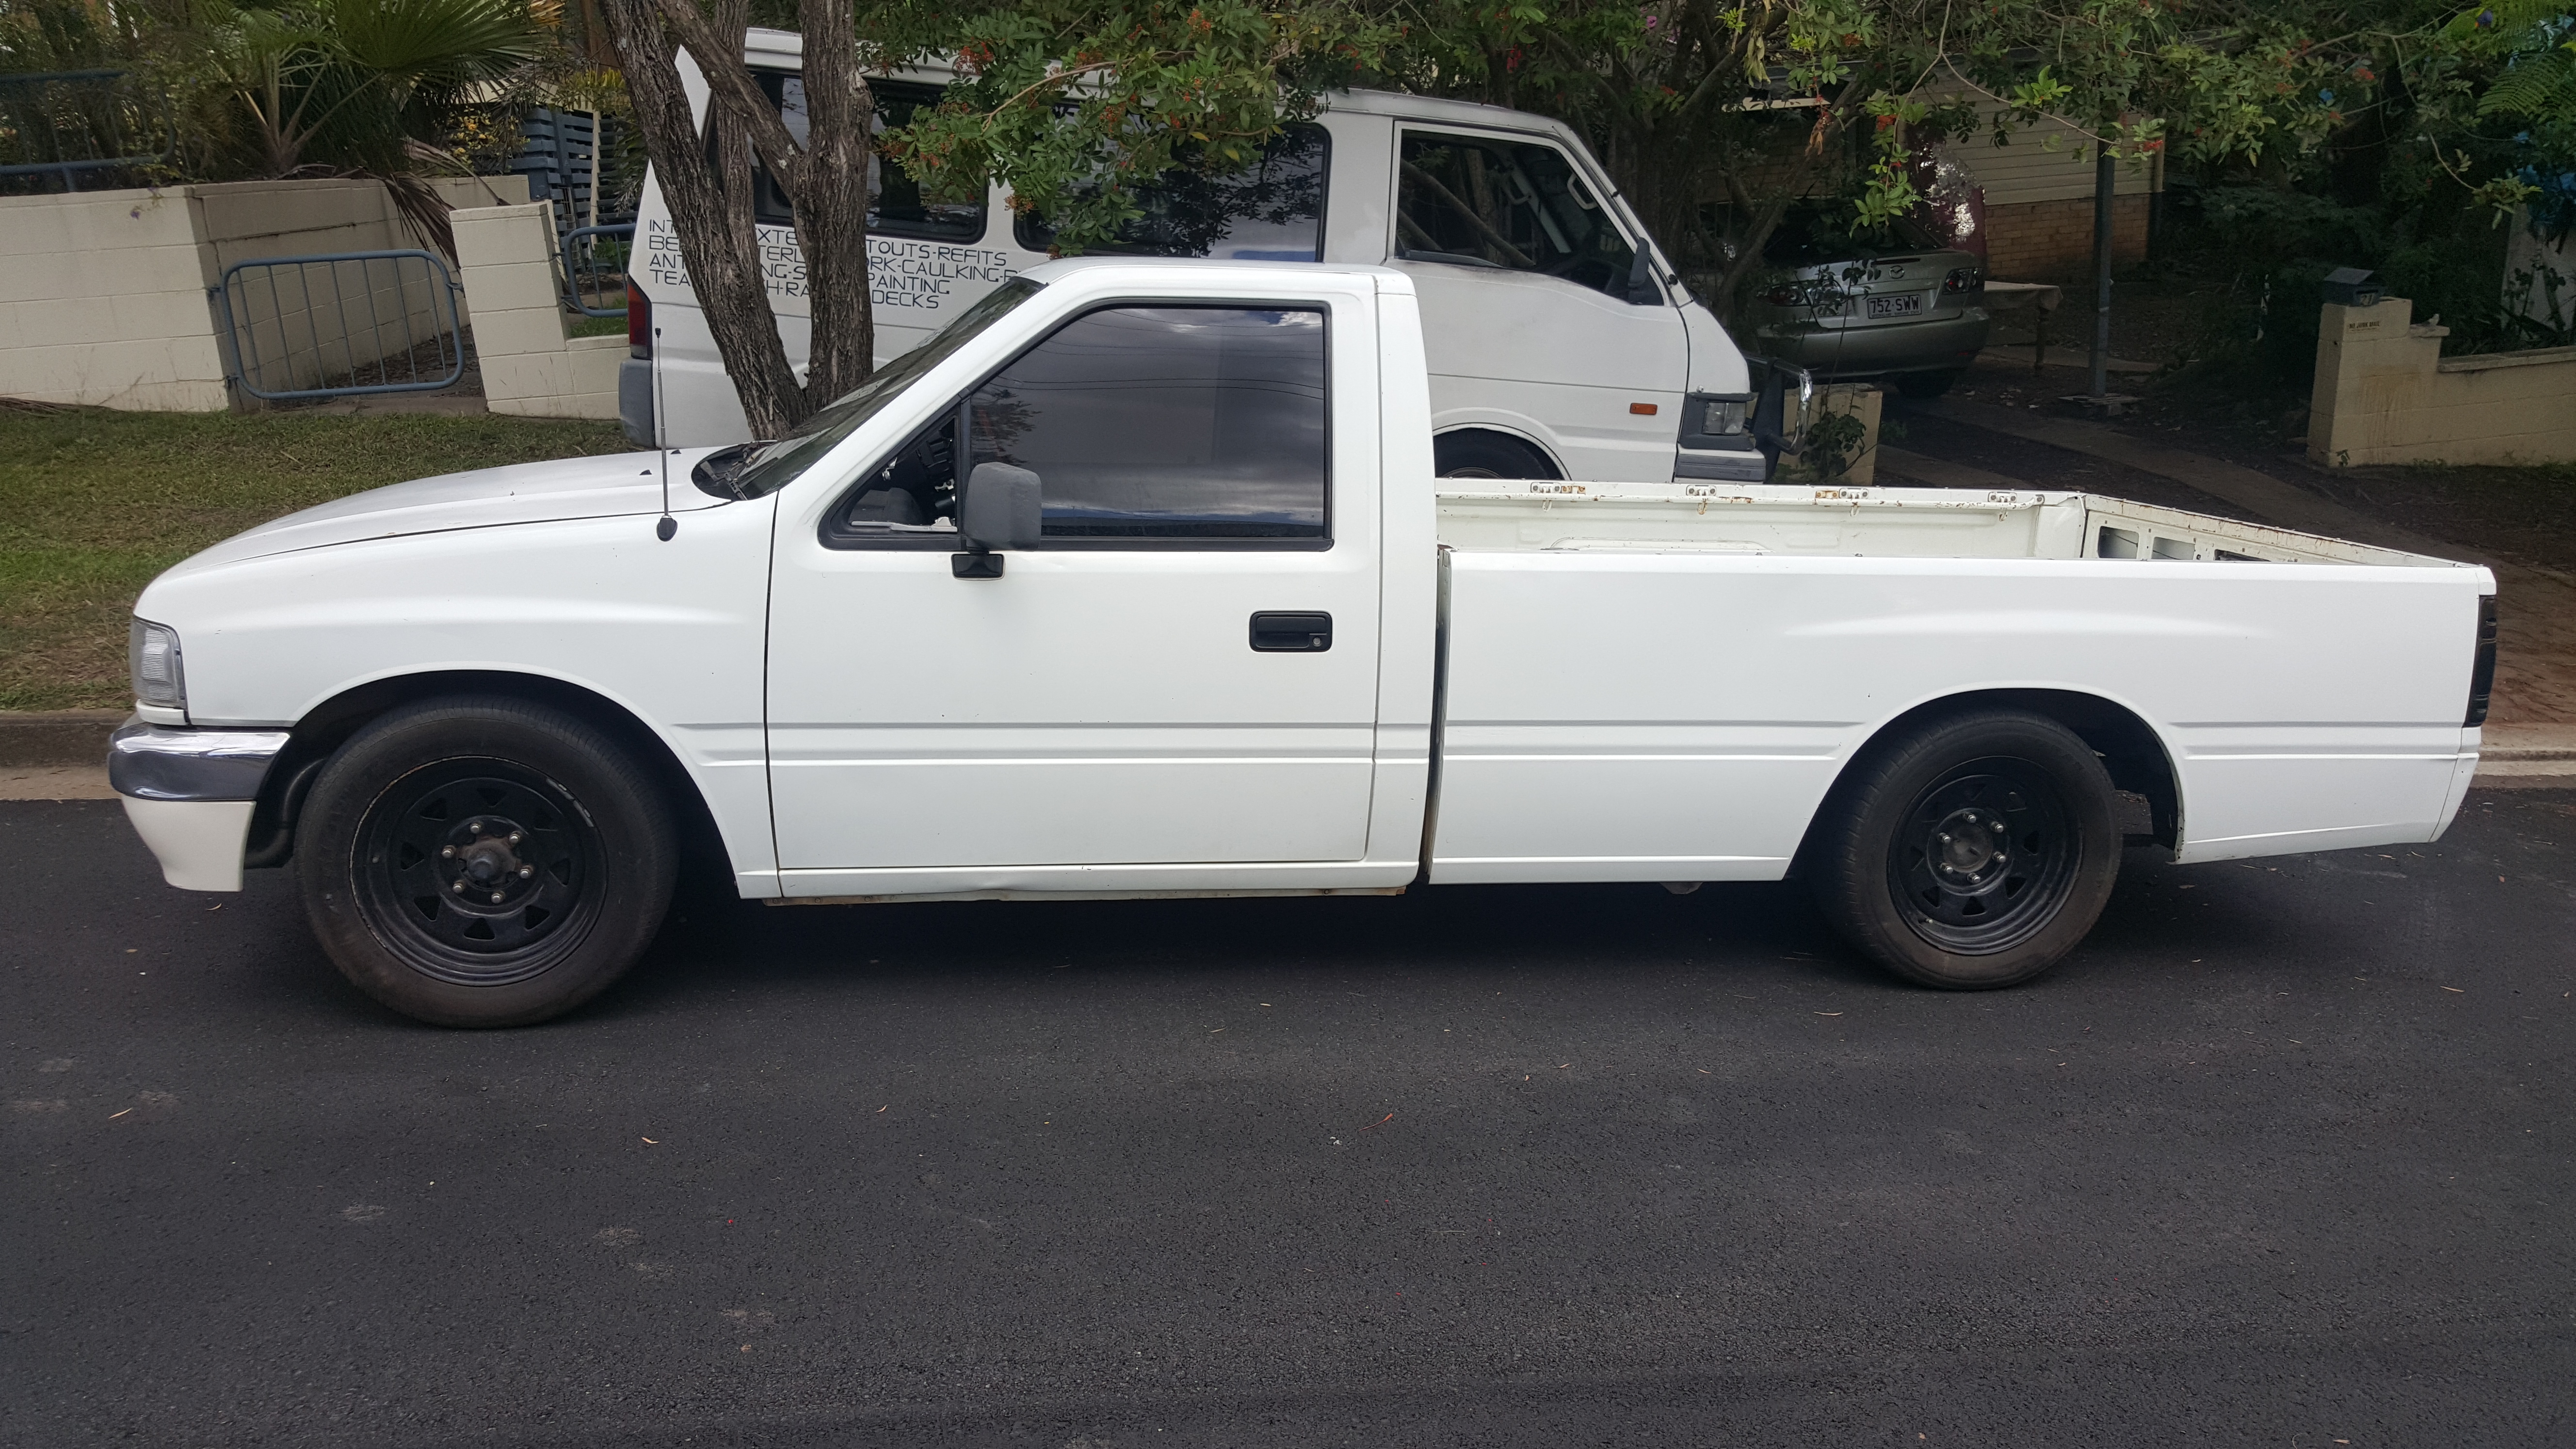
(716, 472)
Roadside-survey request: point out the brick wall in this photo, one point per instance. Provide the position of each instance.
(2052, 241)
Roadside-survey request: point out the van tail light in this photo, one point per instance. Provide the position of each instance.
(2482, 665)
(1791, 294)
(639, 321)
(1964, 279)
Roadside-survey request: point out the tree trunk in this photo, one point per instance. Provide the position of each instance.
(831, 201)
(826, 180)
(720, 256)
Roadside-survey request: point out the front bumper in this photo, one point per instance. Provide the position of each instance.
(190, 793)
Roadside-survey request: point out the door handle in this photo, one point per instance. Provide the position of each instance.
(1292, 633)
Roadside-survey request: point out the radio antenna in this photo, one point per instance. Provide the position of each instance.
(661, 437)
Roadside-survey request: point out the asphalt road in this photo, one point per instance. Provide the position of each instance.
(2281, 1157)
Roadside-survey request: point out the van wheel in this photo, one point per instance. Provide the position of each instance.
(484, 862)
(1971, 853)
(1474, 453)
(1925, 384)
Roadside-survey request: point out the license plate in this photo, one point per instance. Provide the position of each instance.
(1894, 306)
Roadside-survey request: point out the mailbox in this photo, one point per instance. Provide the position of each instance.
(2352, 287)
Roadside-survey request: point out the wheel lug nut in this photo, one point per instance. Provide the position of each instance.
(526, 871)
(447, 851)
(496, 898)
(459, 888)
(476, 827)
(1996, 826)
(1945, 837)
(514, 837)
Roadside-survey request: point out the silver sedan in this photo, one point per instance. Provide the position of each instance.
(1847, 306)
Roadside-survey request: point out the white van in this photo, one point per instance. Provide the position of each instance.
(1562, 344)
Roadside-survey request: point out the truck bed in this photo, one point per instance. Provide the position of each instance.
(1869, 522)
(1661, 681)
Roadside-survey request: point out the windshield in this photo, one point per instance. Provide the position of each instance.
(1829, 232)
(768, 467)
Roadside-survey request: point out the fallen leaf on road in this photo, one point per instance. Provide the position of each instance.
(1380, 1122)
(649, 1142)
(112, 1116)
(2459, 991)
(1828, 1013)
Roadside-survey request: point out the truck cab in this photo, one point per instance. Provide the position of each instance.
(1562, 343)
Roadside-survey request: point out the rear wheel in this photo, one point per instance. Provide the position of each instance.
(1974, 852)
(1925, 384)
(484, 862)
(1478, 454)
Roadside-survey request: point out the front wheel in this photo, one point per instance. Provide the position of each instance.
(1972, 853)
(484, 862)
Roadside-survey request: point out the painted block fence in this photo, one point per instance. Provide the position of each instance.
(2385, 394)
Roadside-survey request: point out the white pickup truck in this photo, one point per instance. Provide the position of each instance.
(1136, 581)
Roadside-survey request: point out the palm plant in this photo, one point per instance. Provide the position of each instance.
(335, 86)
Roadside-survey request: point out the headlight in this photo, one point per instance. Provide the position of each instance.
(152, 657)
(1723, 416)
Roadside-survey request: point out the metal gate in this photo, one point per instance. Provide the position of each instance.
(341, 324)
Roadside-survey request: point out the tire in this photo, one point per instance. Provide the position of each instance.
(1925, 384)
(1478, 454)
(1912, 868)
(484, 862)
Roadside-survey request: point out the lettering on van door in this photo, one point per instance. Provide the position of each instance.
(903, 275)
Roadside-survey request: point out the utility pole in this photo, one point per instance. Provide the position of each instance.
(2102, 184)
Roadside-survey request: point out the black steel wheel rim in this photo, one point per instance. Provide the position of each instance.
(1984, 857)
(478, 871)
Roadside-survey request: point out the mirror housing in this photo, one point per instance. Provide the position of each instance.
(1643, 289)
(1775, 429)
(1003, 508)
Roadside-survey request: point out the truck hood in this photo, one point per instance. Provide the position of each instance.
(604, 487)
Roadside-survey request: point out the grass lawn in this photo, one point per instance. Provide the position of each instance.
(94, 503)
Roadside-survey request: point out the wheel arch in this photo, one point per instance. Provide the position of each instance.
(322, 729)
(1520, 437)
(2132, 752)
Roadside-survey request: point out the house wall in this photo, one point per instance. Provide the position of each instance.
(2540, 278)
(2385, 394)
(2039, 201)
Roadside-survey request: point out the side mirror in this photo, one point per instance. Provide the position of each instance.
(1643, 289)
(1775, 429)
(1003, 508)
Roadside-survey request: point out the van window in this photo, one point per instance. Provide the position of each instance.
(1167, 423)
(1270, 212)
(1509, 205)
(896, 207)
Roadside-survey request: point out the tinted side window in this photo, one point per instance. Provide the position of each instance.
(1511, 205)
(1168, 422)
(897, 208)
(1271, 212)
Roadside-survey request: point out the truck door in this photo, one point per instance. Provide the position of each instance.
(1523, 275)
(1184, 671)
